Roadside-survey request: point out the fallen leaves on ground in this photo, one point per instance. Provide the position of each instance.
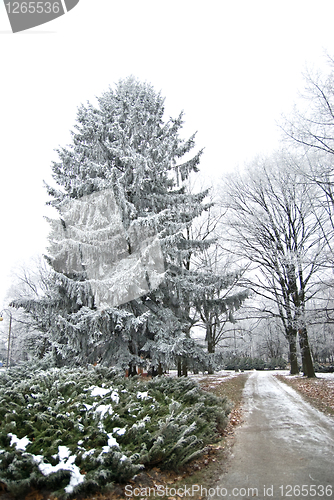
(317, 391)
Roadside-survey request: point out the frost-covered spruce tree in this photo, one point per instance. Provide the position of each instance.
(122, 286)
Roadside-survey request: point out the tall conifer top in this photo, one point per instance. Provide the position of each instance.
(124, 285)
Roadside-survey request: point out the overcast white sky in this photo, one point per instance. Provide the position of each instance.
(232, 66)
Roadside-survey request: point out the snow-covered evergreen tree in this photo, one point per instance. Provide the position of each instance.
(123, 287)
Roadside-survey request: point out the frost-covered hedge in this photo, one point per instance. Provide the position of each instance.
(322, 368)
(70, 430)
(247, 363)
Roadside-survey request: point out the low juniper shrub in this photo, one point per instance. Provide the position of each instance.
(82, 429)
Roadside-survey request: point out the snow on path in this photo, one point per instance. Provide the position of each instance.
(283, 444)
(217, 378)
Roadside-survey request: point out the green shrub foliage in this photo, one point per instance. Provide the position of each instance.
(323, 368)
(246, 363)
(71, 430)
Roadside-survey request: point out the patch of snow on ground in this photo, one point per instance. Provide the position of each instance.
(103, 409)
(142, 395)
(63, 452)
(99, 391)
(87, 453)
(328, 376)
(217, 377)
(222, 373)
(120, 431)
(115, 397)
(69, 465)
(111, 443)
(286, 373)
(88, 407)
(20, 444)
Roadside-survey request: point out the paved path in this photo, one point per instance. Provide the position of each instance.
(284, 444)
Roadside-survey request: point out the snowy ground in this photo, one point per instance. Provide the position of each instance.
(217, 378)
(328, 376)
(223, 375)
(284, 443)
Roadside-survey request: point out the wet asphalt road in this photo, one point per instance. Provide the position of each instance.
(283, 450)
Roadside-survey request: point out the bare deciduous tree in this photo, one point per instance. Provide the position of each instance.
(312, 126)
(271, 223)
(31, 329)
(310, 130)
(219, 293)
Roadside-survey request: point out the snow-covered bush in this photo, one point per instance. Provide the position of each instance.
(81, 429)
(322, 368)
(246, 363)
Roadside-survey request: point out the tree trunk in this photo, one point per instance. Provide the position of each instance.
(292, 336)
(43, 350)
(184, 368)
(211, 349)
(179, 367)
(210, 369)
(154, 372)
(308, 368)
(304, 366)
(57, 358)
(132, 370)
(195, 369)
